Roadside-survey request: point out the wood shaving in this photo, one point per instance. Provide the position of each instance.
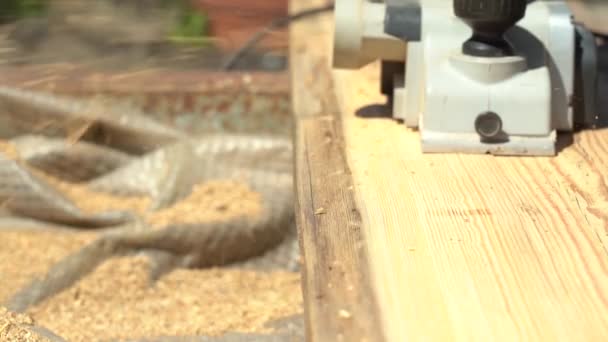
(27, 254)
(15, 328)
(212, 201)
(116, 302)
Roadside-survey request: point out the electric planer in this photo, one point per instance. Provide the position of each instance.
(478, 76)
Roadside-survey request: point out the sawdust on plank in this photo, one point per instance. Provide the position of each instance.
(16, 328)
(212, 201)
(116, 302)
(28, 254)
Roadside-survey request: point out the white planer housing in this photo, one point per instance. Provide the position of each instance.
(511, 101)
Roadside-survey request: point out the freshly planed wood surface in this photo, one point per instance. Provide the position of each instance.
(458, 247)
(479, 248)
(340, 304)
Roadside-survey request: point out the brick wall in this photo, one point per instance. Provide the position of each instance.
(233, 21)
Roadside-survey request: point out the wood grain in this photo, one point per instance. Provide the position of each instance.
(339, 302)
(479, 248)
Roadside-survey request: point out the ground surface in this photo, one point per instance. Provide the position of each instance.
(117, 301)
(257, 300)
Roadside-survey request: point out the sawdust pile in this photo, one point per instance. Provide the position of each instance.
(14, 328)
(95, 202)
(26, 254)
(90, 202)
(116, 302)
(212, 201)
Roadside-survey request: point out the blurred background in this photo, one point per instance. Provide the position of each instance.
(146, 172)
(140, 33)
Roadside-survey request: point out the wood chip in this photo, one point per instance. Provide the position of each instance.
(91, 202)
(95, 202)
(344, 314)
(115, 302)
(208, 202)
(26, 255)
(15, 328)
(213, 201)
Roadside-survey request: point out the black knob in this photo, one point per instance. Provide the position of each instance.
(489, 19)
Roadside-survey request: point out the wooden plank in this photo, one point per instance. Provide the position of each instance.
(339, 301)
(458, 247)
(479, 248)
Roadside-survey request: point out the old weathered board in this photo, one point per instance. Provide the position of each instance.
(340, 305)
(402, 246)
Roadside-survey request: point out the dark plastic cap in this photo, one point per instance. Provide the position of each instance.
(489, 19)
